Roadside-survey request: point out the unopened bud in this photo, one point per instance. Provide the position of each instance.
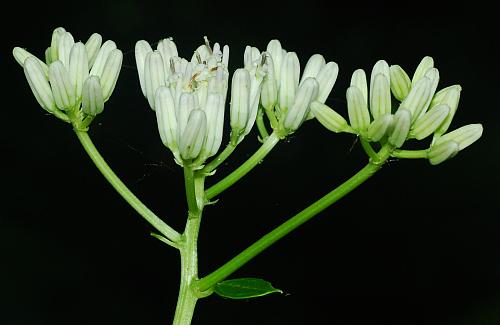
(401, 126)
(92, 98)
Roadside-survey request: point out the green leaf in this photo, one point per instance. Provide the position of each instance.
(244, 288)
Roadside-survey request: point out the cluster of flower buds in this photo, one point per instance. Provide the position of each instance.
(187, 96)
(421, 112)
(286, 96)
(245, 93)
(76, 79)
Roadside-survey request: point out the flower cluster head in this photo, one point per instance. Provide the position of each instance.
(76, 79)
(188, 96)
(286, 96)
(421, 111)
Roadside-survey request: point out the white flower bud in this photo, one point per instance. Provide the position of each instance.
(382, 67)
(225, 55)
(154, 76)
(39, 84)
(424, 65)
(313, 67)
(417, 98)
(429, 122)
(269, 92)
(187, 103)
(401, 126)
(306, 93)
(214, 111)
(21, 55)
(166, 118)
(449, 96)
(276, 51)
(92, 98)
(64, 44)
(400, 82)
(240, 100)
(464, 136)
(142, 48)
(92, 46)
(378, 128)
(441, 152)
(250, 55)
(193, 137)
(62, 89)
(78, 69)
(110, 73)
(380, 96)
(326, 80)
(54, 44)
(359, 117)
(48, 59)
(358, 80)
(101, 58)
(289, 80)
(330, 119)
(433, 75)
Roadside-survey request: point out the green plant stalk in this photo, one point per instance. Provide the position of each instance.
(261, 126)
(410, 154)
(188, 293)
(228, 150)
(270, 238)
(122, 189)
(247, 166)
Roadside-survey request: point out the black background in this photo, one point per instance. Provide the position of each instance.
(416, 244)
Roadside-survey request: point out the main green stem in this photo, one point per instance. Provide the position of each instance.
(241, 171)
(122, 189)
(188, 247)
(267, 240)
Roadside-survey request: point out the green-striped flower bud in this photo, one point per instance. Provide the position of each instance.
(111, 72)
(167, 49)
(240, 100)
(449, 96)
(289, 80)
(380, 67)
(92, 46)
(277, 54)
(380, 96)
(379, 127)
(101, 58)
(358, 80)
(429, 122)
(313, 67)
(62, 89)
(214, 111)
(330, 119)
(166, 118)
(401, 127)
(54, 44)
(142, 48)
(417, 98)
(154, 76)
(424, 65)
(193, 137)
(464, 136)
(306, 93)
(326, 80)
(92, 98)
(187, 103)
(78, 69)
(250, 56)
(269, 92)
(359, 117)
(64, 44)
(400, 82)
(39, 84)
(21, 55)
(48, 59)
(444, 151)
(433, 75)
